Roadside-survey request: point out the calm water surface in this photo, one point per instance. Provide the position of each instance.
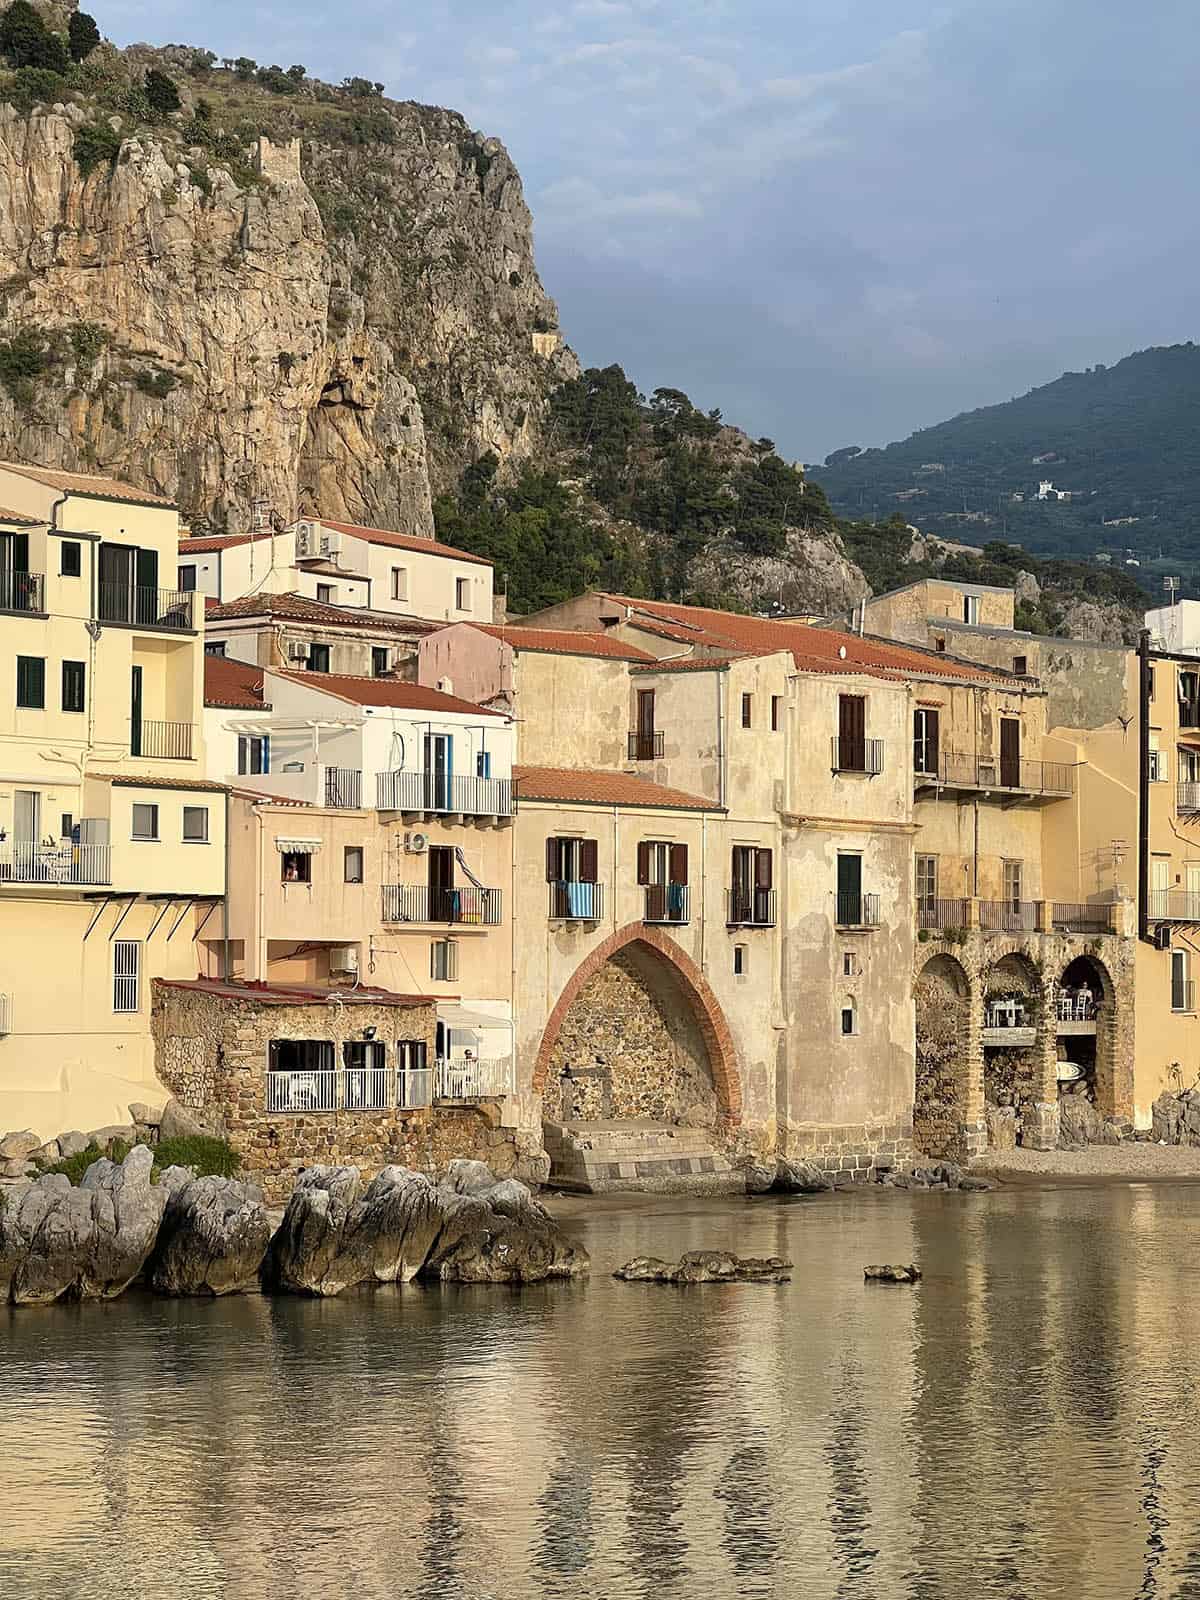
(1024, 1423)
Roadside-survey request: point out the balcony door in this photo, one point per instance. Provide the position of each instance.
(852, 732)
(1010, 753)
(645, 725)
(441, 884)
(439, 767)
(128, 579)
(1160, 871)
(849, 889)
(14, 571)
(925, 740)
(135, 711)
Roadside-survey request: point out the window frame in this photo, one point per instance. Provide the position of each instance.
(64, 571)
(924, 862)
(133, 977)
(400, 584)
(462, 594)
(349, 850)
(325, 656)
(741, 960)
(303, 858)
(185, 577)
(78, 678)
(1181, 963)
(776, 707)
(327, 594)
(447, 950)
(260, 742)
(26, 673)
(848, 1008)
(971, 608)
(144, 838)
(747, 710)
(379, 660)
(187, 838)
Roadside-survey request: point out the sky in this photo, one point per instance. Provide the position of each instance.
(836, 221)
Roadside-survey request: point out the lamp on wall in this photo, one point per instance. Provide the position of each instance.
(369, 1033)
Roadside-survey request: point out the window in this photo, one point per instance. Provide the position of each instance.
(939, 644)
(462, 593)
(72, 685)
(66, 826)
(70, 559)
(1150, 682)
(850, 967)
(443, 960)
(352, 863)
(195, 824)
(927, 880)
(662, 870)
(971, 609)
(1181, 988)
(413, 1085)
(379, 660)
(1188, 766)
(186, 578)
(851, 909)
(127, 966)
(776, 701)
(145, 822)
(747, 710)
(849, 1019)
(852, 733)
(741, 960)
(483, 763)
(1012, 883)
(325, 593)
(751, 899)
(1158, 766)
(1021, 666)
(571, 872)
(399, 583)
(31, 682)
(254, 753)
(301, 1075)
(318, 658)
(926, 740)
(295, 866)
(215, 647)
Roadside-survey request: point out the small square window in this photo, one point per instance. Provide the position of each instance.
(185, 577)
(849, 964)
(741, 960)
(462, 593)
(325, 593)
(776, 704)
(195, 824)
(939, 644)
(379, 660)
(295, 866)
(318, 658)
(70, 559)
(399, 583)
(849, 1020)
(747, 710)
(443, 960)
(1021, 666)
(145, 822)
(31, 682)
(73, 674)
(352, 863)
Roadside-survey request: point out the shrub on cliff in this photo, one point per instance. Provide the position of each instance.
(82, 35)
(26, 41)
(34, 86)
(161, 93)
(94, 144)
(23, 360)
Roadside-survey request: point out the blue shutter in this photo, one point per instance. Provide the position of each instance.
(266, 752)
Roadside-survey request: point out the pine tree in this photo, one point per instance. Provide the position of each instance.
(161, 93)
(82, 35)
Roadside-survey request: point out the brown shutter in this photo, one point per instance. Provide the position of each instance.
(679, 863)
(762, 869)
(643, 861)
(551, 860)
(588, 861)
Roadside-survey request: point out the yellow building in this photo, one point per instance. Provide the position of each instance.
(112, 838)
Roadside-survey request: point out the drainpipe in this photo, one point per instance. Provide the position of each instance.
(722, 681)
(1144, 679)
(225, 968)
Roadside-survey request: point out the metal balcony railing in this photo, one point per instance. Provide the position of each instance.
(750, 908)
(302, 1091)
(990, 772)
(343, 788)
(5, 1014)
(22, 591)
(645, 746)
(1080, 917)
(668, 903)
(938, 914)
(1079, 1007)
(857, 910)
(366, 1088)
(1174, 905)
(576, 902)
(67, 863)
(442, 792)
(858, 755)
(414, 1088)
(459, 1079)
(1187, 798)
(1008, 916)
(419, 902)
(164, 741)
(348, 1089)
(1183, 995)
(146, 608)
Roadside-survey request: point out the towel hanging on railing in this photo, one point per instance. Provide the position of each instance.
(467, 873)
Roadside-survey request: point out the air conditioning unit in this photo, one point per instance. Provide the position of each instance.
(416, 843)
(1162, 937)
(297, 652)
(445, 685)
(331, 543)
(308, 539)
(343, 958)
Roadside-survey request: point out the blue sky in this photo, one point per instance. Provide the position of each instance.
(836, 221)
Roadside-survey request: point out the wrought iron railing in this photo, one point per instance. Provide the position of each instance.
(858, 755)
(146, 608)
(667, 903)
(1187, 798)
(937, 914)
(857, 910)
(458, 1079)
(994, 772)
(1174, 905)
(750, 908)
(1081, 917)
(414, 1088)
(164, 741)
(576, 902)
(420, 902)
(645, 746)
(22, 591)
(343, 788)
(67, 863)
(442, 792)
(1008, 916)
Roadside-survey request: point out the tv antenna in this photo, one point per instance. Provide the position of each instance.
(1171, 586)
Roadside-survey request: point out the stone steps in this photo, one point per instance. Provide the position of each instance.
(607, 1157)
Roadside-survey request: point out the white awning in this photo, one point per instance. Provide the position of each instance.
(297, 847)
(459, 1016)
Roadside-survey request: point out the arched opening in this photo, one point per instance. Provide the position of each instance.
(1081, 1001)
(1012, 1024)
(941, 1100)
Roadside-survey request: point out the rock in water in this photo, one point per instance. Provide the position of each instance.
(214, 1235)
(502, 1235)
(798, 1177)
(909, 1274)
(706, 1266)
(87, 1243)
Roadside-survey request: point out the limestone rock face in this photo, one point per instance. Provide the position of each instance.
(813, 573)
(214, 1235)
(706, 1266)
(16, 1146)
(799, 1177)
(86, 1243)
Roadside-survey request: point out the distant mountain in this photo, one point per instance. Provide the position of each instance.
(1122, 442)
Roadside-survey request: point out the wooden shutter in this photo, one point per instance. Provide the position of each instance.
(933, 738)
(643, 861)
(679, 863)
(852, 719)
(762, 869)
(588, 861)
(551, 860)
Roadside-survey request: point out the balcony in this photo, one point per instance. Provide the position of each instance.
(645, 746)
(667, 904)
(304, 1092)
(1008, 916)
(858, 755)
(576, 902)
(68, 863)
(941, 914)
(462, 1079)
(857, 910)
(1183, 995)
(419, 902)
(22, 591)
(343, 789)
(1174, 905)
(750, 908)
(1007, 1025)
(442, 794)
(1187, 799)
(1010, 779)
(1077, 1012)
(146, 608)
(161, 741)
(1081, 917)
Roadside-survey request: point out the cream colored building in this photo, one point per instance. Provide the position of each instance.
(111, 835)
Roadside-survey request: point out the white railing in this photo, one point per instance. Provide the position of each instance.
(414, 1088)
(442, 792)
(302, 1091)
(459, 1079)
(5, 1014)
(366, 1088)
(1075, 1007)
(67, 863)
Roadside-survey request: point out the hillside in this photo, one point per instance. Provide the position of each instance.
(1122, 441)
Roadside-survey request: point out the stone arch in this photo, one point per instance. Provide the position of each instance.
(1018, 1048)
(1086, 1036)
(651, 950)
(946, 1097)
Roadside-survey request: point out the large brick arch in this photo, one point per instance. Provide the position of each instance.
(697, 990)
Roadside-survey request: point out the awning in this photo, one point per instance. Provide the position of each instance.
(298, 847)
(456, 1016)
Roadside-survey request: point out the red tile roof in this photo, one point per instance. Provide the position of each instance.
(17, 516)
(405, 541)
(298, 994)
(579, 786)
(149, 782)
(563, 641)
(261, 797)
(88, 483)
(385, 692)
(218, 541)
(707, 663)
(299, 608)
(233, 683)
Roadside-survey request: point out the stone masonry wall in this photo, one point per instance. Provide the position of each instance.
(940, 1098)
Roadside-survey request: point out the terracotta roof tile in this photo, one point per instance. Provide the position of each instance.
(385, 692)
(563, 641)
(88, 483)
(150, 782)
(201, 545)
(17, 516)
(233, 683)
(587, 786)
(299, 608)
(404, 541)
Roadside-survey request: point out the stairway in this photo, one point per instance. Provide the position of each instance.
(659, 1157)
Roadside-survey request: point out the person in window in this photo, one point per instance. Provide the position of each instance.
(291, 871)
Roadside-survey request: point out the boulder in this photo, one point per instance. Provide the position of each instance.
(145, 1116)
(103, 1137)
(16, 1146)
(500, 1237)
(759, 1179)
(1001, 1127)
(970, 1185)
(48, 1154)
(892, 1274)
(798, 1177)
(17, 1169)
(213, 1237)
(706, 1266)
(71, 1144)
(1079, 1123)
(185, 1122)
(468, 1177)
(83, 1243)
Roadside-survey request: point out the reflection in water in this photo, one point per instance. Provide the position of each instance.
(1022, 1424)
